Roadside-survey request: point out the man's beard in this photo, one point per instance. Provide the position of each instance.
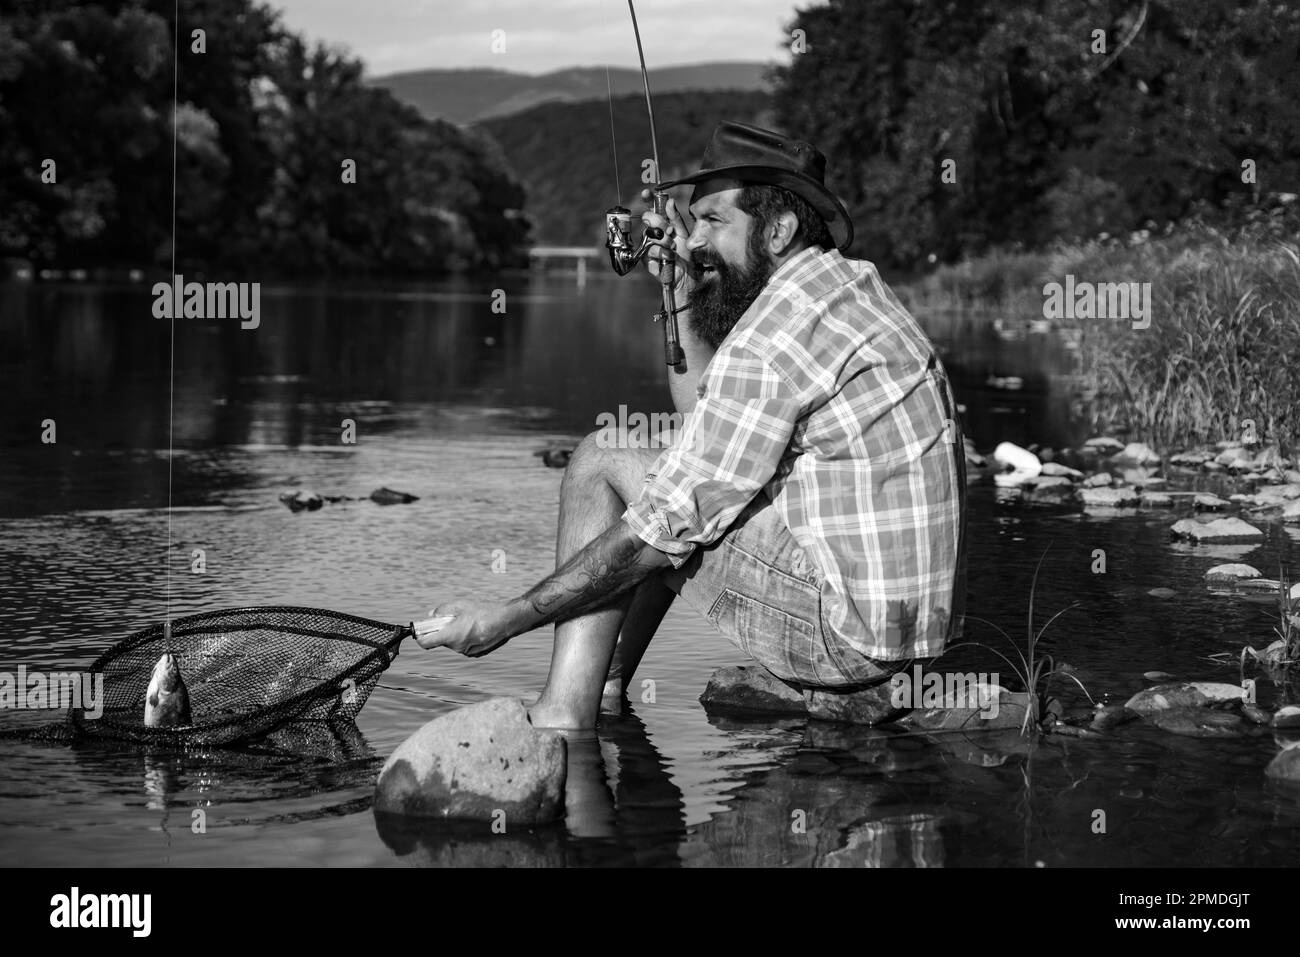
(717, 304)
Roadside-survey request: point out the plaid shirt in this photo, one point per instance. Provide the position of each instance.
(828, 396)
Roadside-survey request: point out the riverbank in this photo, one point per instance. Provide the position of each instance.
(1210, 360)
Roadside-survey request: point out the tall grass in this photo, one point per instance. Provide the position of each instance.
(1223, 345)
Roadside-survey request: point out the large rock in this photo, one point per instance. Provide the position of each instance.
(1138, 453)
(1187, 694)
(1024, 465)
(1220, 530)
(473, 762)
(1232, 572)
(978, 708)
(1285, 767)
(747, 689)
(1108, 497)
(1103, 444)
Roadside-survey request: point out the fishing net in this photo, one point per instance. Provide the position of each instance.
(249, 671)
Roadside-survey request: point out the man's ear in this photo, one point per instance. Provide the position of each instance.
(782, 234)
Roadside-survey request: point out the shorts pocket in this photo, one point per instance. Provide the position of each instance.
(783, 643)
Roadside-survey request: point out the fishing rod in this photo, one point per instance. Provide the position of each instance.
(623, 256)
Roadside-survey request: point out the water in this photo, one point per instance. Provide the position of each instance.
(450, 401)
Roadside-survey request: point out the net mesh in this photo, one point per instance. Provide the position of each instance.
(248, 671)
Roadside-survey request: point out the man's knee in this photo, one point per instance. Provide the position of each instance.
(609, 455)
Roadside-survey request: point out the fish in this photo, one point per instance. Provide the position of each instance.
(168, 703)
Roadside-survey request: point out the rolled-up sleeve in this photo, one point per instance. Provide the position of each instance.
(728, 449)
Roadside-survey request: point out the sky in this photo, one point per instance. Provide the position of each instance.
(392, 36)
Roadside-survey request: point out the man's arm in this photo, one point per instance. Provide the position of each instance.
(615, 561)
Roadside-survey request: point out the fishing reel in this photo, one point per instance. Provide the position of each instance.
(624, 254)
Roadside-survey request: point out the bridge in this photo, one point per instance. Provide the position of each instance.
(538, 256)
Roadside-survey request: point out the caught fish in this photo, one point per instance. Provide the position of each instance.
(168, 702)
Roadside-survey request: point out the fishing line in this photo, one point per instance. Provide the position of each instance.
(609, 90)
(171, 372)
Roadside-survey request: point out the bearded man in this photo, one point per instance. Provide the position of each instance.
(813, 506)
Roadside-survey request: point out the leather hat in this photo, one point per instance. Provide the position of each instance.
(754, 155)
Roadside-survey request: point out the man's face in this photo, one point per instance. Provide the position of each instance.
(729, 264)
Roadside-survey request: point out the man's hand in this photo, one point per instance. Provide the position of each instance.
(675, 231)
(474, 630)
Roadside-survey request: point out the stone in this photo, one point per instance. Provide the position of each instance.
(1292, 476)
(750, 689)
(747, 689)
(302, 499)
(473, 762)
(954, 716)
(1057, 470)
(1191, 458)
(1098, 480)
(386, 496)
(1202, 723)
(1288, 717)
(1157, 500)
(1051, 481)
(1103, 444)
(1108, 497)
(1232, 572)
(1285, 767)
(1186, 694)
(1219, 530)
(1112, 716)
(1204, 500)
(1138, 453)
(1258, 586)
(1162, 593)
(1291, 513)
(1233, 458)
(1024, 464)
(1274, 494)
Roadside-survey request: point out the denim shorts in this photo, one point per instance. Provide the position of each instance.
(757, 587)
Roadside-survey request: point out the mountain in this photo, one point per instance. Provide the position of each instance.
(468, 96)
(564, 155)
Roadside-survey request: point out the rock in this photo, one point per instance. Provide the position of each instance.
(1024, 464)
(1292, 476)
(1191, 459)
(1256, 713)
(1010, 713)
(747, 689)
(1212, 466)
(1291, 514)
(1233, 458)
(556, 458)
(1108, 497)
(1157, 676)
(1103, 444)
(1162, 593)
(1275, 494)
(1285, 767)
(1156, 500)
(866, 706)
(1288, 717)
(1232, 572)
(1051, 481)
(1187, 694)
(1112, 716)
(1057, 470)
(301, 499)
(1204, 500)
(1258, 586)
(1202, 723)
(1099, 480)
(1138, 453)
(386, 496)
(1219, 530)
(473, 762)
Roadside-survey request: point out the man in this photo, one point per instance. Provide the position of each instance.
(812, 507)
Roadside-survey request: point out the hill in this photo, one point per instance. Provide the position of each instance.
(563, 154)
(468, 96)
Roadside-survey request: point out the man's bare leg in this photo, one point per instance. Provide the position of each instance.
(598, 484)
